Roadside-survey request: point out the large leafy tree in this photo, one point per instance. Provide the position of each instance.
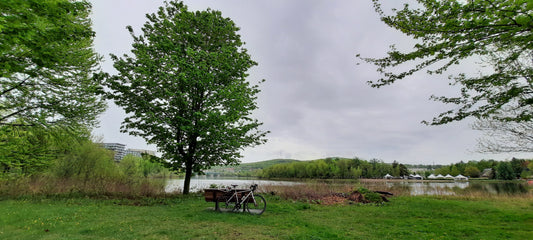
(185, 89)
(47, 63)
(496, 32)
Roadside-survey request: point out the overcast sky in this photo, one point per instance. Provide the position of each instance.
(315, 100)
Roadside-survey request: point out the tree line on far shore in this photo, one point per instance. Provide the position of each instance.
(344, 168)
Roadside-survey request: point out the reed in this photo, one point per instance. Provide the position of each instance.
(49, 185)
(315, 190)
(310, 191)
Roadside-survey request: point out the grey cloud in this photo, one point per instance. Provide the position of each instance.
(315, 101)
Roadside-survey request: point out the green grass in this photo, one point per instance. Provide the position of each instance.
(191, 218)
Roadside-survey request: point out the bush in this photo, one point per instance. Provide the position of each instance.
(472, 171)
(370, 196)
(89, 170)
(504, 171)
(131, 166)
(87, 162)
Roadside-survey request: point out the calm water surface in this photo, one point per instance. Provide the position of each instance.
(404, 187)
(449, 188)
(198, 183)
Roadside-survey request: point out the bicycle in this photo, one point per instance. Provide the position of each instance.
(234, 199)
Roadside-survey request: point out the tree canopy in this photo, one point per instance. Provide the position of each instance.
(497, 32)
(184, 88)
(47, 63)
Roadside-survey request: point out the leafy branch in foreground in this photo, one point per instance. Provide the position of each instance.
(499, 32)
(47, 63)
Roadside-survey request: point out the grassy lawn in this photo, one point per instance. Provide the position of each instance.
(190, 218)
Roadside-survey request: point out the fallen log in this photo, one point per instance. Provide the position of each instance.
(384, 193)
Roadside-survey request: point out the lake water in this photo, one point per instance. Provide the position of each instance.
(396, 186)
(200, 182)
(448, 188)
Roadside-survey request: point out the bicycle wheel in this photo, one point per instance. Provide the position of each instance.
(257, 207)
(222, 205)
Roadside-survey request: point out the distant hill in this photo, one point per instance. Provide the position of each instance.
(246, 169)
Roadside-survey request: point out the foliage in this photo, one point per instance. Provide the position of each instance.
(185, 90)
(399, 169)
(87, 162)
(499, 32)
(340, 168)
(89, 169)
(133, 166)
(526, 174)
(470, 169)
(26, 149)
(504, 171)
(46, 63)
(246, 169)
(472, 172)
(370, 196)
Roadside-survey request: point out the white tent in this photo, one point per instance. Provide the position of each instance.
(460, 178)
(448, 176)
(388, 176)
(432, 176)
(439, 176)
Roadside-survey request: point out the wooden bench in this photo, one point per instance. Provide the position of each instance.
(211, 194)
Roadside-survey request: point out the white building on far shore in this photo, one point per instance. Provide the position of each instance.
(121, 151)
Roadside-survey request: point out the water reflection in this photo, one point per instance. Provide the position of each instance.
(429, 188)
(501, 188)
(398, 187)
(198, 183)
(449, 188)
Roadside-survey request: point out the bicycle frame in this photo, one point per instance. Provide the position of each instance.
(235, 197)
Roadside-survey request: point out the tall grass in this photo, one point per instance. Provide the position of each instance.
(87, 170)
(48, 185)
(309, 191)
(316, 190)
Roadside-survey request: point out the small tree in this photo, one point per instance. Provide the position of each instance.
(472, 171)
(504, 171)
(185, 89)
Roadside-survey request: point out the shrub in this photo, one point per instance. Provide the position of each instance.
(370, 196)
(131, 166)
(472, 171)
(504, 171)
(87, 162)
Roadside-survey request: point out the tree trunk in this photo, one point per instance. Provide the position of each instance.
(188, 174)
